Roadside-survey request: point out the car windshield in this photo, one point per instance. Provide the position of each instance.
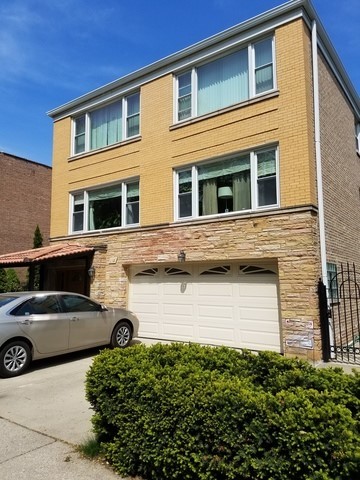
(4, 299)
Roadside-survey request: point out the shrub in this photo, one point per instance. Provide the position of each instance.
(13, 282)
(9, 281)
(3, 280)
(190, 412)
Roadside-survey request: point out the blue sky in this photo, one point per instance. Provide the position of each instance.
(52, 51)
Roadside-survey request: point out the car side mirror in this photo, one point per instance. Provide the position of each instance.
(103, 308)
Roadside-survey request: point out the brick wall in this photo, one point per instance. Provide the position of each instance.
(287, 237)
(283, 118)
(24, 202)
(341, 171)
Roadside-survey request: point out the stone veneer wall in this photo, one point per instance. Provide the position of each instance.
(288, 238)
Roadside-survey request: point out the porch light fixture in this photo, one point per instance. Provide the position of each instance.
(182, 256)
(91, 271)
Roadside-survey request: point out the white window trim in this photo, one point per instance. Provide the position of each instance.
(357, 136)
(194, 88)
(251, 74)
(125, 116)
(71, 212)
(252, 83)
(254, 181)
(123, 184)
(254, 190)
(86, 114)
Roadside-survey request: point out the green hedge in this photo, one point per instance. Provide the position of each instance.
(190, 412)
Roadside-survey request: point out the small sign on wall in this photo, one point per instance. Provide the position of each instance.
(299, 323)
(300, 341)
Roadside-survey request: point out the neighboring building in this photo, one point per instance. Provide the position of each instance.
(215, 185)
(25, 192)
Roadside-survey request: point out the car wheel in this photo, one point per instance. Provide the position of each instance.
(121, 335)
(15, 357)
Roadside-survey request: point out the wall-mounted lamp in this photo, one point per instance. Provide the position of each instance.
(91, 271)
(182, 256)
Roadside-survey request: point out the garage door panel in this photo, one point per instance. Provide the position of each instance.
(150, 326)
(177, 332)
(183, 310)
(216, 335)
(253, 289)
(269, 341)
(178, 288)
(178, 320)
(262, 303)
(146, 288)
(259, 326)
(146, 307)
(215, 290)
(178, 300)
(215, 311)
(253, 314)
(234, 310)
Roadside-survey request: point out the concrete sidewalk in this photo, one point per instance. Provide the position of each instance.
(44, 415)
(25, 454)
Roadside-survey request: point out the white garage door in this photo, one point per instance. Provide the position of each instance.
(233, 305)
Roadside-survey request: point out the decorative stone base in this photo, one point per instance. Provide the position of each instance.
(288, 240)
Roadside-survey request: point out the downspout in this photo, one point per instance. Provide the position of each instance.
(315, 72)
(318, 165)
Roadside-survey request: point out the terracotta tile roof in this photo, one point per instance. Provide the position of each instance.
(38, 255)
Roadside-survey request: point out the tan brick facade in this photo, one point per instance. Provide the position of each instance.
(25, 189)
(287, 237)
(284, 119)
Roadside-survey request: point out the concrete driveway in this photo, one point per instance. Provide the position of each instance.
(43, 415)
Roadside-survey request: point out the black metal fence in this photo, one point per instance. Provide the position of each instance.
(340, 315)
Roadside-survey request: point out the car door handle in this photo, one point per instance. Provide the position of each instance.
(26, 322)
(74, 319)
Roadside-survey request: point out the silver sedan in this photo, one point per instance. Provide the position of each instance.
(36, 325)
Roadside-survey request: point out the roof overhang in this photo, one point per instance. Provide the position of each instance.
(44, 254)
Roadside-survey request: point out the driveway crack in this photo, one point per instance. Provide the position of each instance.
(48, 440)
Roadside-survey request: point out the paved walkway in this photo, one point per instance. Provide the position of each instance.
(28, 455)
(43, 417)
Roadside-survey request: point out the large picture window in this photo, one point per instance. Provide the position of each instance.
(107, 207)
(227, 80)
(242, 182)
(107, 125)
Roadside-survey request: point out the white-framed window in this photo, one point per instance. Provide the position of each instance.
(110, 206)
(357, 138)
(226, 80)
(332, 279)
(239, 183)
(107, 125)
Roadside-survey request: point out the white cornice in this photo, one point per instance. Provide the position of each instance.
(240, 33)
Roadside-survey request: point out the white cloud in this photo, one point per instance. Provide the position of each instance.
(49, 42)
